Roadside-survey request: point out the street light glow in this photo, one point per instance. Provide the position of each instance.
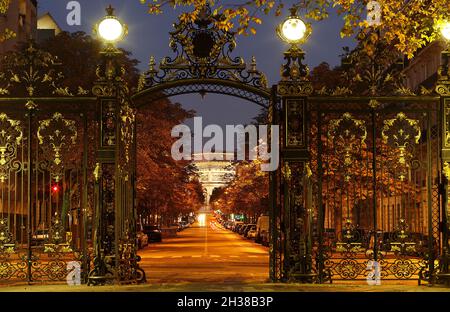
(445, 30)
(293, 29)
(202, 219)
(110, 29)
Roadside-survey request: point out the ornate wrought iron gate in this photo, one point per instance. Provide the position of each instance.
(359, 185)
(376, 176)
(42, 219)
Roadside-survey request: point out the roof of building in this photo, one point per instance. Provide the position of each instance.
(46, 21)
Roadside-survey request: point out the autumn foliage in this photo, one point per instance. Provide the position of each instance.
(409, 25)
(165, 187)
(247, 194)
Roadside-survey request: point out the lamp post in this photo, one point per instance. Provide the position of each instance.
(110, 90)
(294, 31)
(110, 29)
(443, 89)
(294, 89)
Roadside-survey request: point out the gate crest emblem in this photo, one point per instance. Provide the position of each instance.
(202, 50)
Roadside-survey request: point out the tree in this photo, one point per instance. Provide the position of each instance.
(73, 58)
(409, 24)
(80, 55)
(165, 187)
(325, 78)
(247, 193)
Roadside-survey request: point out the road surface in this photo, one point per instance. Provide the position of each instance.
(206, 254)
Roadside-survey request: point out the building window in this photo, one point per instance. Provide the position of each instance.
(22, 20)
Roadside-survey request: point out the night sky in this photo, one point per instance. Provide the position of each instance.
(148, 35)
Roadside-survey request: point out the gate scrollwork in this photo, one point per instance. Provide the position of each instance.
(11, 135)
(348, 135)
(57, 137)
(402, 133)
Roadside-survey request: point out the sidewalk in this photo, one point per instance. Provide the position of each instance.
(199, 287)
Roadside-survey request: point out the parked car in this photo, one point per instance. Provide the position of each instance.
(243, 228)
(153, 232)
(251, 232)
(236, 226)
(142, 239)
(239, 228)
(229, 225)
(248, 228)
(178, 226)
(262, 230)
(184, 224)
(39, 237)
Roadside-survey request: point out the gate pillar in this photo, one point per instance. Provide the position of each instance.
(443, 89)
(115, 249)
(295, 194)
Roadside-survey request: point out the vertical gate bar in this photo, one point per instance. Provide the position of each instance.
(23, 233)
(374, 184)
(286, 223)
(439, 177)
(429, 198)
(321, 219)
(309, 211)
(84, 200)
(117, 192)
(273, 249)
(134, 181)
(31, 106)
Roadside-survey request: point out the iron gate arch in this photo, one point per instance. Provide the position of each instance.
(259, 96)
(297, 248)
(214, 70)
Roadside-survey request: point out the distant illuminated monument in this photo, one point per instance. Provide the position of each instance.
(214, 173)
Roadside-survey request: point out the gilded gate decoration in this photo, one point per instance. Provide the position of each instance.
(43, 189)
(295, 113)
(11, 135)
(388, 213)
(362, 179)
(57, 137)
(348, 135)
(402, 134)
(202, 63)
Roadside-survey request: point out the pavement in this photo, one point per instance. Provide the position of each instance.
(206, 254)
(209, 258)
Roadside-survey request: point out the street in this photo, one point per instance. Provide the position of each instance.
(207, 254)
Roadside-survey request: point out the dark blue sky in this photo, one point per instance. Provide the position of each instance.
(148, 35)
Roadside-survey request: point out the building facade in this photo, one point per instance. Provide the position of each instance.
(215, 173)
(421, 71)
(21, 19)
(47, 27)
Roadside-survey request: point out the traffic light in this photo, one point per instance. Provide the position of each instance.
(55, 188)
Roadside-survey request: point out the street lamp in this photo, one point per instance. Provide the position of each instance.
(293, 29)
(443, 85)
(110, 29)
(445, 30)
(111, 85)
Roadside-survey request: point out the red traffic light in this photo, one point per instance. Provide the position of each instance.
(55, 188)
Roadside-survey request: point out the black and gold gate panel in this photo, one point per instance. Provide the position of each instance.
(376, 165)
